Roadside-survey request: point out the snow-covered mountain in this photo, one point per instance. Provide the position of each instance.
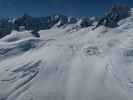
(74, 61)
(34, 24)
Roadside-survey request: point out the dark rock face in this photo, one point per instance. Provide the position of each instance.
(35, 33)
(72, 20)
(114, 15)
(86, 22)
(63, 20)
(5, 27)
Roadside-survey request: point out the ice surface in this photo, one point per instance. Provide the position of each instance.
(68, 65)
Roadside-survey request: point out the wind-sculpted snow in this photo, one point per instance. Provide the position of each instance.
(69, 65)
(19, 47)
(19, 79)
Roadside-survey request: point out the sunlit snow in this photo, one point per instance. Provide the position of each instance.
(84, 64)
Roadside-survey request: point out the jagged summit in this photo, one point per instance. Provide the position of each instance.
(114, 15)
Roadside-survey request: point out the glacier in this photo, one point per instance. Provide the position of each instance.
(68, 63)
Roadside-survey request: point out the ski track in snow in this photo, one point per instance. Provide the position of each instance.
(62, 65)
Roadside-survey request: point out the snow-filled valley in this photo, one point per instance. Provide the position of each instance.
(68, 64)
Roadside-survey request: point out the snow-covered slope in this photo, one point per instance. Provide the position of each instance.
(62, 64)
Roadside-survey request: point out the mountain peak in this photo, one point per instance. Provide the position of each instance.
(114, 15)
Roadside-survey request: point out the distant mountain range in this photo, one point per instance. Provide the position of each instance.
(27, 22)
